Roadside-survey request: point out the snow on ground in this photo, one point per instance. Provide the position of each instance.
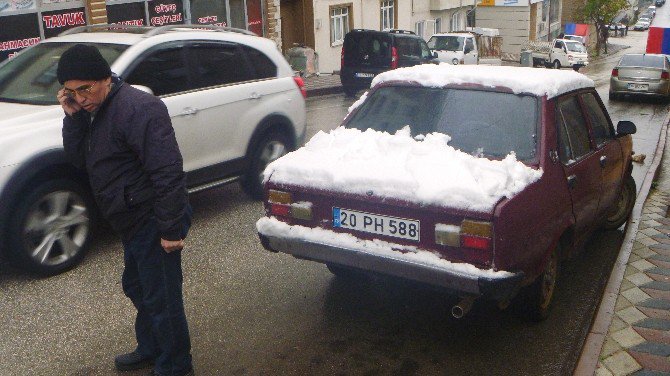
(425, 170)
(271, 226)
(549, 82)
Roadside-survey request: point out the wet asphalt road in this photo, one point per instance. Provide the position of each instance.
(256, 313)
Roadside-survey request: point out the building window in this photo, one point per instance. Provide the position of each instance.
(339, 24)
(387, 19)
(456, 22)
(438, 25)
(419, 28)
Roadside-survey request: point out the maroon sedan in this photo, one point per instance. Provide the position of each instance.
(475, 179)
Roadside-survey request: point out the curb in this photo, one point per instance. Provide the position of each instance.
(588, 360)
(324, 91)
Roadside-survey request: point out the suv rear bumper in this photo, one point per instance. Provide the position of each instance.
(499, 287)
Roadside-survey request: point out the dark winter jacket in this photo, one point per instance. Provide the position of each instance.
(131, 156)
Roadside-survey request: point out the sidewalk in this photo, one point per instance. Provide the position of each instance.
(631, 332)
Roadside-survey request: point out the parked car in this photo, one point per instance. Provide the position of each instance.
(366, 53)
(652, 9)
(558, 53)
(202, 76)
(659, 3)
(455, 48)
(424, 182)
(641, 75)
(642, 24)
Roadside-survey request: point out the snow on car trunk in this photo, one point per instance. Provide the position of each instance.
(423, 170)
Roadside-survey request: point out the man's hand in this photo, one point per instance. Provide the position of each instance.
(172, 245)
(70, 106)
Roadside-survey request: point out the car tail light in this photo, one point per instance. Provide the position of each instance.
(615, 72)
(281, 204)
(665, 76)
(301, 85)
(394, 58)
(470, 234)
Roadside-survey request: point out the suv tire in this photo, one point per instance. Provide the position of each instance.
(349, 91)
(271, 147)
(56, 218)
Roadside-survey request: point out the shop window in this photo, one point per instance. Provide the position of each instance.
(387, 17)
(339, 23)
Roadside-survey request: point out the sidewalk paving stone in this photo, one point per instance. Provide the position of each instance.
(621, 364)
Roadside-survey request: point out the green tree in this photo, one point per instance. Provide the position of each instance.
(601, 14)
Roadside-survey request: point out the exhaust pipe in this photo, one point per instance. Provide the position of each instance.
(463, 307)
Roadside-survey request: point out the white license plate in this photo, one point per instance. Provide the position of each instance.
(643, 87)
(365, 75)
(376, 224)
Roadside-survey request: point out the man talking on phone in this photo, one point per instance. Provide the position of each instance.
(124, 140)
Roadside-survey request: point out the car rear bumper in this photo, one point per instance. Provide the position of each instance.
(460, 280)
(657, 89)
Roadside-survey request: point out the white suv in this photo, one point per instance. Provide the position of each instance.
(233, 99)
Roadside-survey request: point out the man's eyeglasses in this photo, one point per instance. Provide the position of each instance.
(83, 90)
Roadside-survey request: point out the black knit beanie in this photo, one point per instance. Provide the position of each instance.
(82, 62)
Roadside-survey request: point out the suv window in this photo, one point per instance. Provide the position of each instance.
(263, 66)
(163, 71)
(408, 47)
(572, 130)
(376, 46)
(218, 64)
(599, 123)
(489, 130)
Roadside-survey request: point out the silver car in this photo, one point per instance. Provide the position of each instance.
(641, 74)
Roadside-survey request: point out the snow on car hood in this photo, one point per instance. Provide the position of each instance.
(425, 170)
(535, 81)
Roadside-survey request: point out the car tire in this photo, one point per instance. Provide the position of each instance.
(623, 206)
(271, 147)
(349, 91)
(535, 300)
(50, 231)
(556, 64)
(612, 96)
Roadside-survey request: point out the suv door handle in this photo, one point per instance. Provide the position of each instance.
(603, 161)
(188, 111)
(572, 180)
(255, 95)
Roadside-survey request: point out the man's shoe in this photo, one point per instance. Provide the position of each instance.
(188, 372)
(132, 361)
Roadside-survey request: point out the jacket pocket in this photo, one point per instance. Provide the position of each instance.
(135, 198)
(111, 202)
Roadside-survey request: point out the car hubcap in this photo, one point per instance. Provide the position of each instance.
(56, 227)
(549, 280)
(273, 150)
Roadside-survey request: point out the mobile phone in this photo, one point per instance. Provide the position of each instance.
(69, 98)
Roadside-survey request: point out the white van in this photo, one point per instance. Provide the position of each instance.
(455, 48)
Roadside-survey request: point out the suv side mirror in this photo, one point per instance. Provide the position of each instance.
(625, 127)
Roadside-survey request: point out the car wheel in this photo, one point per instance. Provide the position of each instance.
(536, 299)
(612, 96)
(51, 228)
(623, 206)
(349, 91)
(270, 148)
(557, 64)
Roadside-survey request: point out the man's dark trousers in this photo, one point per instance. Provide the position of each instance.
(152, 279)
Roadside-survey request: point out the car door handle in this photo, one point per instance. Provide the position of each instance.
(188, 111)
(603, 161)
(572, 180)
(255, 96)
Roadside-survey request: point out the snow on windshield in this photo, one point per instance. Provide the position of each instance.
(549, 82)
(424, 170)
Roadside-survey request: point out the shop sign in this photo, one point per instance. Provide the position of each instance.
(166, 12)
(12, 5)
(55, 22)
(126, 14)
(18, 32)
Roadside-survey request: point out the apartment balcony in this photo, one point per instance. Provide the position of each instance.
(450, 4)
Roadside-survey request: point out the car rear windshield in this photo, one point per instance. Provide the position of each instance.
(30, 77)
(446, 43)
(653, 61)
(481, 123)
(373, 48)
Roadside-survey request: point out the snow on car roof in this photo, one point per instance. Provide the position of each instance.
(535, 81)
(425, 170)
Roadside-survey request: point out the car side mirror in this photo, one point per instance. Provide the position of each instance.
(145, 89)
(625, 127)
(435, 54)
